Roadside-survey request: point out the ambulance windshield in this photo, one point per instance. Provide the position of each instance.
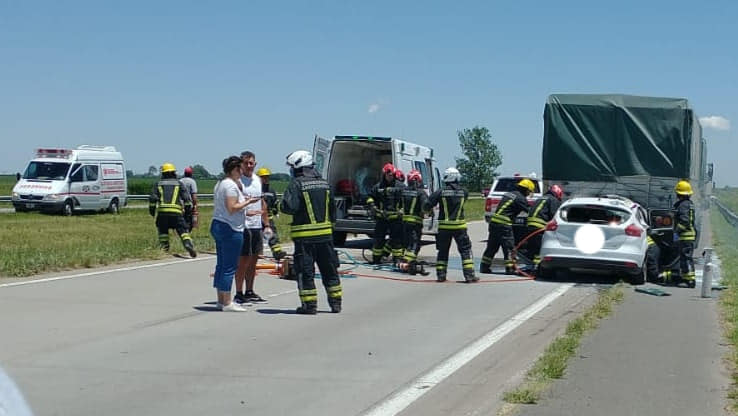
(50, 171)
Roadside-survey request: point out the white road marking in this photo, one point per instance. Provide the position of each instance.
(99, 272)
(423, 384)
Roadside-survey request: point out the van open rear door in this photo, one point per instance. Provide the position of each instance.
(321, 152)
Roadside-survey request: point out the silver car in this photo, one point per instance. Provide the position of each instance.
(597, 233)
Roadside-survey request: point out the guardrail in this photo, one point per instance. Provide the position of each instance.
(199, 196)
(729, 216)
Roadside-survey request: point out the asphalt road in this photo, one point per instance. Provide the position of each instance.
(146, 340)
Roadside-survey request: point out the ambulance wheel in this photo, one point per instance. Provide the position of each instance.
(114, 207)
(339, 238)
(68, 208)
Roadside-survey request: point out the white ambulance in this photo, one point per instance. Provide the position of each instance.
(353, 164)
(88, 178)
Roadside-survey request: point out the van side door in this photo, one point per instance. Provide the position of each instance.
(85, 185)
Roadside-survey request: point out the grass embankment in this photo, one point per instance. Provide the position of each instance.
(552, 364)
(35, 243)
(725, 242)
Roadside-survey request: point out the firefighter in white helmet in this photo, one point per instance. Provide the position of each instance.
(309, 200)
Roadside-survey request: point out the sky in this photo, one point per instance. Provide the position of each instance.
(192, 82)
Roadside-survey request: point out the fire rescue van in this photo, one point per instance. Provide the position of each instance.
(353, 164)
(88, 178)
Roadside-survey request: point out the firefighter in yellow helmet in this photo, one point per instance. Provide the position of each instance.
(500, 226)
(169, 202)
(270, 199)
(685, 234)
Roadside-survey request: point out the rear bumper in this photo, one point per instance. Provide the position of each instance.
(354, 226)
(614, 266)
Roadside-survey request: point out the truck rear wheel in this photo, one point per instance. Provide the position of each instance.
(339, 238)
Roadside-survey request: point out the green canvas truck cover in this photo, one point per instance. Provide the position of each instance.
(593, 137)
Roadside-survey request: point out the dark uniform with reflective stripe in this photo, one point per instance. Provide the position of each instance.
(653, 253)
(414, 201)
(452, 225)
(309, 200)
(384, 200)
(685, 228)
(169, 202)
(270, 199)
(501, 232)
(539, 215)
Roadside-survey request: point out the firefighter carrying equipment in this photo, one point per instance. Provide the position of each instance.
(169, 202)
(168, 167)
(683, 188)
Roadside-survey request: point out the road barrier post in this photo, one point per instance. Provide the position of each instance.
(707, 274)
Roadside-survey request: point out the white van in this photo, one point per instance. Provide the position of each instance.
(64, 181)
(352, 165)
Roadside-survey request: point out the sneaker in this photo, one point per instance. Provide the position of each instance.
(232, 307)
(251, 296)
(240, 298)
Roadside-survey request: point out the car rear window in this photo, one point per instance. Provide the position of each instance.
(594, 214)
(508, 185)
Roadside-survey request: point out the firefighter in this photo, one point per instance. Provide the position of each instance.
(309, 200)
(500, 227)
(270, 199)
(685, 231)
(653, 253)
(384, 203)
(414, 201)
(452, 225)
(191, 185)
(170, 202)
(542, 211)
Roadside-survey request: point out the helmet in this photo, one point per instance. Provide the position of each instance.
(683, 188)
(299, 159)
(168, 167)
(414, 175)
(556, 191)
(451, 175)
(188, 170)
(399, 175)
(527, 184)
(263, 172)
(388, 167)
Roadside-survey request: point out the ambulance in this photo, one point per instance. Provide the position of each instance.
(353, 164)
(88, 178)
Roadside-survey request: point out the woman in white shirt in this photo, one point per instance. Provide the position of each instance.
(227, 230)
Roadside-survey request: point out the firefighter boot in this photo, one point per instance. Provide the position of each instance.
(335, 305)
(308, 308)
(486, 268)
(412, 268)
(470, 277)
(190, 248)
(441, 276)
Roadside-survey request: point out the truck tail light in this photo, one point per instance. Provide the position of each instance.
(633, 230)
(552, 226)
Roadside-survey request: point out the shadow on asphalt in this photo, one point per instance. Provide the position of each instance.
(207, 308)
(283, 311)
(584, 278)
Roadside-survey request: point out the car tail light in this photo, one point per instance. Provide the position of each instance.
(552, 226)
(547, 258)
(631, 265)
(633, 230)
(489, 202)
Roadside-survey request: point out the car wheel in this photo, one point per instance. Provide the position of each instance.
(543, 273)
(339, 238)
(640, 277)
(114, 208)
(68, 209)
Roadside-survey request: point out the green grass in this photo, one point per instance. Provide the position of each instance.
(6, 184)
(37, 243)
(474, 209)
(725, 241)
(552, 364)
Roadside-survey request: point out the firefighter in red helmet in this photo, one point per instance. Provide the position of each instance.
(384, 203)
(414, 201)
(542, 211)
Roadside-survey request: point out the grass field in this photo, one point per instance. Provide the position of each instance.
(725, 241)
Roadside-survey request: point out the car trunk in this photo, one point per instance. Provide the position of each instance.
(611, 221)
(355, 167)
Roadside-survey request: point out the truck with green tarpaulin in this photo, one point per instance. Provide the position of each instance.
(632, 146)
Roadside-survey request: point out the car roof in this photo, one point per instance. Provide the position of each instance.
(606, 201)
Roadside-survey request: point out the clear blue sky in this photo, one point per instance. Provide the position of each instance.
(191, 82)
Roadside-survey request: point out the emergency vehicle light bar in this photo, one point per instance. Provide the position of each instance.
(54, 153)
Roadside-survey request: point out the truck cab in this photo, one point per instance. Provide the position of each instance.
(88, 178)
(352, 165)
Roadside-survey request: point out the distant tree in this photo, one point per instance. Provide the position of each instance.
(153, 171)
(130, 174)
(478, 169)
(199, 172)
